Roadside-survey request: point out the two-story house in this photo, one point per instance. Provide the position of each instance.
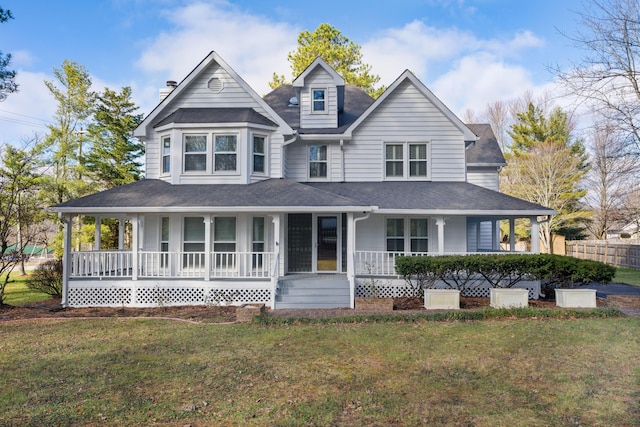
(292, 200)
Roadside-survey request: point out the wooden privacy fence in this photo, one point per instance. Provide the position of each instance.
(621, 253)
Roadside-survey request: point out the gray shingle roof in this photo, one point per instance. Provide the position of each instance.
(447, 197)
(486, 149)
(215, 115)
(156, 194)
(356, 101)
(431, 196)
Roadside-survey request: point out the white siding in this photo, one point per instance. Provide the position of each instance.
(319, 79)
(484, 177)
(406, 116)
(455, 235)
(198, 95)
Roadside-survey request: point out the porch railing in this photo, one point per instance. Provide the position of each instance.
(151, 264)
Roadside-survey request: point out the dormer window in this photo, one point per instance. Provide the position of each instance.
(318, 100)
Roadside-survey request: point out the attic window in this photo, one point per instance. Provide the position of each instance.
(215, 85)
(319, 100)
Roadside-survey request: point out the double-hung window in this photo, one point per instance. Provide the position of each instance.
(225, 153)
(258, 154)
(318, 161)
(224, 241)
(257, 242)
(411, 233)
(166, 154)
(164, 241)
(319, 100)
(193, 242)
(406, 160)
(195, 153)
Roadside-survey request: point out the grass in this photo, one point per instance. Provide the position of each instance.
(17, 292)
(628, 276)
(460, 373)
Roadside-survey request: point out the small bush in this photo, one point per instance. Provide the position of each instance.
(47, 278)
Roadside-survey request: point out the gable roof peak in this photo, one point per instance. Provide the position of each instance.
(318, 62)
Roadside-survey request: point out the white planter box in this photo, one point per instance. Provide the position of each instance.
(509, 297)
(442, 299)
(577, 298)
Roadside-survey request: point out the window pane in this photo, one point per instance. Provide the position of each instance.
(166, 164)
(318, 153)
(226, 143)
(194, 229)
(318, 170)
(419, 227)
(194, 247)
(225, 162)
(258, 163)
(419, 245)
(166, 146)
(165, 229)
(418, 151)
(395, 227)
(195, 162)
(258, 229)
(394, 169)
(418, 168)
(394, 152)
(195, 143)
(395, 245)
(318, 94)
(225, 229)
(224, 247)
(258, 144)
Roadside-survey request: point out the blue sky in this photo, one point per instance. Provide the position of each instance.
(468, 52)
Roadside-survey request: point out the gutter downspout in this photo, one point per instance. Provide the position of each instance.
(342, 159)
(351, 266)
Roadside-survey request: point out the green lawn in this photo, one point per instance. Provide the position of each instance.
(627, 275)
(17, 293)
(154, 372)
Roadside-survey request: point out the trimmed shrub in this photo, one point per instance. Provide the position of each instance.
(47, 278)
(501, 271)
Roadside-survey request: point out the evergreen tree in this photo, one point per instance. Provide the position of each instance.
(7, 77)
(343, 55)
(115, 155)
(546, 166)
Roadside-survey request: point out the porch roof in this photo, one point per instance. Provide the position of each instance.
(152, 195)
(434, 198)
(283, 195)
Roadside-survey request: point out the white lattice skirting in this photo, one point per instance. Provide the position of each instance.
(398, 288)
(155, 294)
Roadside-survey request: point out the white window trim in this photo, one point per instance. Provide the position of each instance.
(265, 154)
(406, 161)
(162, 155)
(326, 100)
(407, 231)
(207, 153)
(328, 162)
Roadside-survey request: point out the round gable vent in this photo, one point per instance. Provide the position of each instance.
(215, 85)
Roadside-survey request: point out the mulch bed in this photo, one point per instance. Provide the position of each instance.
(51, 309)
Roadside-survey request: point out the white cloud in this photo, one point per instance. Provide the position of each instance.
(463, 70)
(28, 111)
(252, 45)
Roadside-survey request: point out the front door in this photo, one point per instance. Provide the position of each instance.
(327, 243)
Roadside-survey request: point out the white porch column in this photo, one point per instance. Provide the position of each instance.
(277, 249)
(535, 235)
(98, 233)
(440, 222)
(134, 247)
(66, 257)
(207, 247)
(512, 234)
(351, 253)
(121, 234)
